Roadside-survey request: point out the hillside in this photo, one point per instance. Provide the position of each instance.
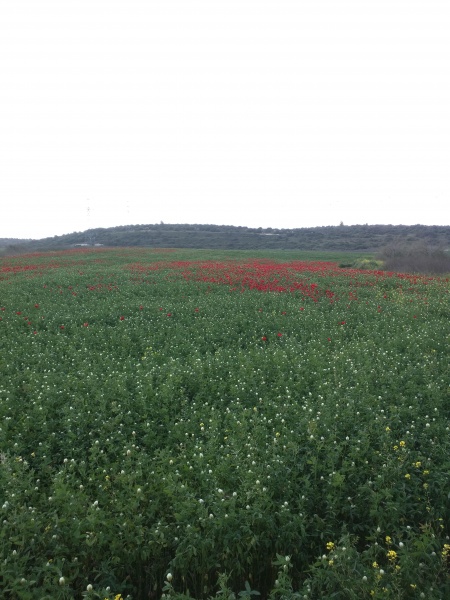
(354, 238)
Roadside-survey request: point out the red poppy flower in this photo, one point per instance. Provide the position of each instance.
(35, 332)
(18, 312)
(169, 314)
(279, 334)
(196, 309)
(85, 324)
(329, 339)
(141, 307)
(264, 339)
(301, 308)
(36, 306)
(122, 318)
(61, 326)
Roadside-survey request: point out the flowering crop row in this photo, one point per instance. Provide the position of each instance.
(190, 422)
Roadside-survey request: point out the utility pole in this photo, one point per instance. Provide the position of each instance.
(89, 235)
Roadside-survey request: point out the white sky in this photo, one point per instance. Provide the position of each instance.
(270, 113)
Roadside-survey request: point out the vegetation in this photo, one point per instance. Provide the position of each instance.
(221, 424)
(354, 238)
(416, 257)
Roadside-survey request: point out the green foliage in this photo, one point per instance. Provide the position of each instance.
(349, 239)
(169, 428)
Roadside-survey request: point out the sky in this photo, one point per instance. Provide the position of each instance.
(260, 113)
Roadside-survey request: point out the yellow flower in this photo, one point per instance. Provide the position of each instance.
(407, 476)
(330, 546)
(392, 555)
(375, 565)
(395, 447)
(388, 539)
(418, 464)
(388, 428)
(402, 444)
(331, 562)
(446, 550)
(426, 472)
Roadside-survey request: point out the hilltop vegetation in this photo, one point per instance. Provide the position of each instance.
(353, 238)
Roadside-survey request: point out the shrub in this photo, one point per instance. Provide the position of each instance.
(415, 257)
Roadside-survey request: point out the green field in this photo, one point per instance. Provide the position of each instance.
(222, 424)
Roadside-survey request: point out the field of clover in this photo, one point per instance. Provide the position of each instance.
(205, 424)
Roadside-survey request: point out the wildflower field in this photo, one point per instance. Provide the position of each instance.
(227, 425)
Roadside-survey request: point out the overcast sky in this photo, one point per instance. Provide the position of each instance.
(270, 113)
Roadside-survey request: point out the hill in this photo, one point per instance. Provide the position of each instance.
(352, 238)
